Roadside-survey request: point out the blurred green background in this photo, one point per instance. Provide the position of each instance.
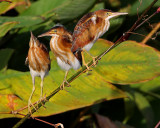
(132, 69)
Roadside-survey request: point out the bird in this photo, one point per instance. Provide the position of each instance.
(89, 28)
(60, 44)
(38, 60)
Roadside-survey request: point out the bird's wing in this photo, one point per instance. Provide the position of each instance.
(44, 48)
(27, 61)
(83, 25)
(67, 41)
(78, 55)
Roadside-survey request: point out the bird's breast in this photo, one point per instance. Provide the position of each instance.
(101, 30)
(55, 45)
(38, 61)
(88, 46)
(104, 27)
(60, 51)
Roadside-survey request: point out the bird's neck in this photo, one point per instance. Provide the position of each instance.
(105, 26)
(102, 29)
(54, 39)
(34, 44)
(54, 42)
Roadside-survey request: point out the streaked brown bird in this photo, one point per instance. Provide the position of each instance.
(60, 44)
(38, 61)
(89, 28)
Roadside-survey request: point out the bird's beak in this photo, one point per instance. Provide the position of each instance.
(45, 34)
(114, 14)
(33, 38)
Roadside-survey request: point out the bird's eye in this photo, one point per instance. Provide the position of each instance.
(54, 31)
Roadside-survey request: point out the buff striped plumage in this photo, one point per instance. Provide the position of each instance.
(39, 64)
(38, 56)
(90, 27)
(60, 44)
(61, 47)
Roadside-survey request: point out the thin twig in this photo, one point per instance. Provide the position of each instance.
(21, 109)
(136, 33)
(55, 125)
(146, 20)
(151, 33)
(140, 3)
(157, 125)
(84, 69)
(35, 118)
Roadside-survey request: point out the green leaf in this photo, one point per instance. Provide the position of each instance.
(5, 55)
(148, 86)
(84, 91)
(115, 24)
(38, 11)
(60, 9)
(130, 62)
(73, 9)
(129, 106)
(5, 27)
(98, 6)
(145, 108)
(24, 21)
(43, 6)
(141, 6)
(6, 6)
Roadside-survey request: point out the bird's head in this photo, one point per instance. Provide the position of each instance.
(33, 41)
(57, 30)
(108, 14)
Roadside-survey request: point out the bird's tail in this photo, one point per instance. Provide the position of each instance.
(78, 55)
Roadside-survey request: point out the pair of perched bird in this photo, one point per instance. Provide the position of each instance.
(68, 48)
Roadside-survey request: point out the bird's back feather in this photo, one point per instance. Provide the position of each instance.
(84, 31)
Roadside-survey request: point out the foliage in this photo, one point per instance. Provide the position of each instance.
(129, 71)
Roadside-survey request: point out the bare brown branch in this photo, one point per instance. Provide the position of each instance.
(149, 36)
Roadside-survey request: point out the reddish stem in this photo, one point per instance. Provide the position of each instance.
(157, 125)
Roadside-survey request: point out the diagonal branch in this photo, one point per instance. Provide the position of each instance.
(133, 28)
(91, 64)
(151, 33)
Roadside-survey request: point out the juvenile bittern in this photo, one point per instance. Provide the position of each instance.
(89, 28)
(38, 61)
(60, 44)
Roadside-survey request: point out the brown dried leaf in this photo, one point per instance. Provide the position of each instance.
(104, 122)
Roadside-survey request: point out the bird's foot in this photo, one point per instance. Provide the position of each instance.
(88, 68)
(62, 87)
(94, 61)
(29, 107)
(59, 124)
(41, 100)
